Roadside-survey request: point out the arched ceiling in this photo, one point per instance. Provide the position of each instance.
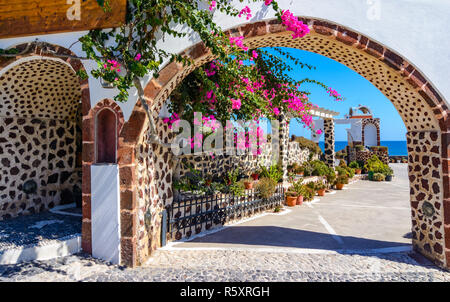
(40, 88)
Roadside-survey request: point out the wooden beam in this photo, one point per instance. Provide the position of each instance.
(33, 17)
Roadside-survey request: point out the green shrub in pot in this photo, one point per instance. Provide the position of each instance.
(266, 187)
(379, 177)
(354, 165)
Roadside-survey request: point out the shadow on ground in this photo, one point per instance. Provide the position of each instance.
(286, 238)
(281, 237)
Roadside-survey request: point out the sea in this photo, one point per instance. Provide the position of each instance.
(396, 148)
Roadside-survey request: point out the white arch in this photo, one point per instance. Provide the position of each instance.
(415, 29)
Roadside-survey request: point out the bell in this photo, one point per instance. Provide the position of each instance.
(29, 187)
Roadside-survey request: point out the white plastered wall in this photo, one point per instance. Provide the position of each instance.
(415, 29)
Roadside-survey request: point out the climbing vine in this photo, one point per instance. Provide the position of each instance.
(241, 83)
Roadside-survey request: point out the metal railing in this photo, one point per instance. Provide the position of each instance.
(189, 215)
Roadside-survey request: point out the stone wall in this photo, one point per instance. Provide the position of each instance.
(363, 156)
(154, 193)
(297, 154)
(247, 163)
(424, 151)
(329, 154)
(39, 137)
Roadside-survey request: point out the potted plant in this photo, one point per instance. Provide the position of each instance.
(208, 180)
(356, 166)
(291, 198)
(300, 197)
(308, 194)
(297, 169)
(248, 183)
(237, 189)
(389, 173)
(331, 178)
(300, 171)
(291, 168)
(312, 186)
(299, 188)
(231, 177)
(320, 188)
(378, 177)
(266, 187)
(341, 181)
(274, 172)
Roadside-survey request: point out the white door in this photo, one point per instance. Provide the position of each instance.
(370, 135)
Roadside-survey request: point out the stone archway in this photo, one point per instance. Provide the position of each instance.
(421, 107)
(40, 124)
(43, 79)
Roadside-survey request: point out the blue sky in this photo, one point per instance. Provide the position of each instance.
(353, 87)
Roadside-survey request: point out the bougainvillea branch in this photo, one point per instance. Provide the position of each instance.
(241, 83)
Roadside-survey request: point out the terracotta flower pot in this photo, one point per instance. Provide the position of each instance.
(300, 200)
(321, 192)
(248, 185)
(301, 174)
(291, 201)
(358, 171)
(339, 186)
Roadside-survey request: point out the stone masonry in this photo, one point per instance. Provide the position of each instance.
(329, 142)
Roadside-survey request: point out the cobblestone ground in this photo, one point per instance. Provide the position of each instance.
(220, 265)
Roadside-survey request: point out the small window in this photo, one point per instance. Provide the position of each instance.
(106, 137)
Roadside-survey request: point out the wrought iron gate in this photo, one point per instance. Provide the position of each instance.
(190, 215)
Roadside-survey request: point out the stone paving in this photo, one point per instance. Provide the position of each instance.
(206, 266)
(38, 229)
(315, 256)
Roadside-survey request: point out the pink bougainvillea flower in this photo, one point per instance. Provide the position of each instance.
(247, 12)
(293, 24)
(267, 2)
(212, 69)
(212, 5)
(254, 54)
(173, 119)
(319, 132)
(236, 104)
(138, 57)
(238, 42)
(276, 111)
(333, 93)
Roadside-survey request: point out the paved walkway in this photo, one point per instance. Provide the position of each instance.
(359, 234)
(364, 216)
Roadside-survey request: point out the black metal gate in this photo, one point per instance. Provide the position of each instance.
(190, 215)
